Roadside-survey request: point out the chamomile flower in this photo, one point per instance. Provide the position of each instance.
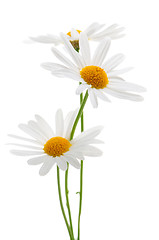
(94, 74)
(95, 32)
(48, 148)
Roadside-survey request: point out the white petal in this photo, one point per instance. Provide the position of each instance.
(26, 153)
(126, 86)
(101, 52)
(84, 48)
(91, 151)
(85, 142)
(25, 146)
(35, 127)
(111, 36)
(96, 141)
(87, 135)
(116, 29)
(116, 32)
(113, 62)
(32, 133)
(59, 123)
(73, 161)
(101, 95)
(117, 36)
(118, 72)
(61, 162)
(37, 160)
(25, 139)
(116, 79)
(81, 88)
(110, 28)
(75, 56)
(47, 39)
(46, 167)
(111, 32)
(68, 73)
(70, 123)
(124, 95)
(93, 98)
(52, 66)
(44, 126)
(67, 122)
(74, 34)
(93, 28)
(63, 59)
(75, 154)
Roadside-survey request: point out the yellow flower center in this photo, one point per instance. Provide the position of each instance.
(69, 33)
(56, 146)
(94, 76)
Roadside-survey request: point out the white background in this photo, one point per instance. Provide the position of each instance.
(121, 188)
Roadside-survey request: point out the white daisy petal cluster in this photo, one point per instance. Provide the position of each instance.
(95, 32)
(95, 73)
(49, 147)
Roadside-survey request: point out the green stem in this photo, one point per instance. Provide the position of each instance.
(81, 174)
(82, 116)
(67, 199)
(79, 115)
(80, 201)
(61, 204)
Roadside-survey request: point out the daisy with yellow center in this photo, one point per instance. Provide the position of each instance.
(49, 148)
(94, 32)
(95, 74)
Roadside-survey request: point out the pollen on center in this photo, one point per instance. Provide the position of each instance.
(56, 146)
(69, 33)
(94, 76)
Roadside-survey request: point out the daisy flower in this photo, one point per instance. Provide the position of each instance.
(95, 32)
(94, 74)
(48, 148)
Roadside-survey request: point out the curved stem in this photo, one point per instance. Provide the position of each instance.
(79, 115)
(82, 116)
(80, 202)
(81, 175)
(67, 199)
(61, 204)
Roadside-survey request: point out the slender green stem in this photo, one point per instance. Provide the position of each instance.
(82, 116)
(81, 174)
(61, 204)
(67, 199)
(70, 228)
(79, 115)
(80, 201)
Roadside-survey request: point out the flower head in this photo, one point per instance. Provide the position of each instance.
(48, 148)
(94, 32)
(95, 74)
